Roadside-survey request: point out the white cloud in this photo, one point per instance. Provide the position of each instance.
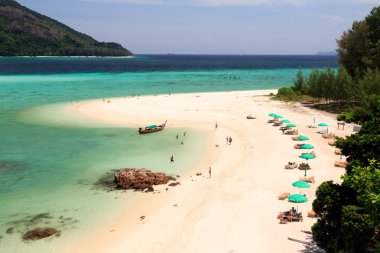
(207, 2)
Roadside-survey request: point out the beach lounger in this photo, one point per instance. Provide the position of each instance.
(296, 217)
(340, 164)
(332, 143)
(338, 151)
(284, 195)
(283, 214)
(292, 132)
(291, 165)
(311, 214)
(328, 136)
(294, 138)
(304, 166)
(308, 179)
(311, 126)
(273, 120)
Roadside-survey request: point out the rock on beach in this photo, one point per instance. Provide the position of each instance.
(39, 233)
(140, 179)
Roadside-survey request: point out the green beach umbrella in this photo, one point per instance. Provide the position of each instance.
(297, 198)
(306, 156)
(285, 121)
(301, 184)
(291, 125)
(272, 114)
(322, 124)
(302, 138)
(307, 146)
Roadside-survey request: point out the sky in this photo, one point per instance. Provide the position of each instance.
(285, 27)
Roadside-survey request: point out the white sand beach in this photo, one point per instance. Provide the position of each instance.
(236, 209)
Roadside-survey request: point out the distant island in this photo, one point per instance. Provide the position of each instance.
(24, 32)
(328, 53)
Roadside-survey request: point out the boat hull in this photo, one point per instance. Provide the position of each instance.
(152, 130)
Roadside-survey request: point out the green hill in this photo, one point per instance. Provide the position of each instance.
(24, 32)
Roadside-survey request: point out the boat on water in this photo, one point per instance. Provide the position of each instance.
(152, 128)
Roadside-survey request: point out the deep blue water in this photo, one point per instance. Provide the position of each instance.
(145, 63)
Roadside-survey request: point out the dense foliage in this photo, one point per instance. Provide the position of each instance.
(24, 32)
(337, 86)
(359, 47)
(349, 213)
(360, 148)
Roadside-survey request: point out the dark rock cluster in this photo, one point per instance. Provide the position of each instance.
(140, 179)
(39, 233)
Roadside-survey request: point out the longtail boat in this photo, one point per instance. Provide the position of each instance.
(152, 128)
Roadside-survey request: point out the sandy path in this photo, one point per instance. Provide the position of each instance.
(235, 210)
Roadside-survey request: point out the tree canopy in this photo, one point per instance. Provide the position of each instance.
(359, 47)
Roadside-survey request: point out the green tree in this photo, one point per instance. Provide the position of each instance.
(328, 205)
(365, 145)
(349, 214)
(299, 83)
(343, 87)
(313, 84)
(359, 47)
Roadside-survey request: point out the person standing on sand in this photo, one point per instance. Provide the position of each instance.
(172, 159)
(230, 140)
(216, 125)
(227, 140)
(209, 171)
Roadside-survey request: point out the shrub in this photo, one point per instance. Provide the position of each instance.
(345, 116)
(287, 92)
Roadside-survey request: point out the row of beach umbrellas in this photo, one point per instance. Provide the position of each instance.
(299, 198)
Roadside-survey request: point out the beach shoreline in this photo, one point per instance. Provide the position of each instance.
(235, 210)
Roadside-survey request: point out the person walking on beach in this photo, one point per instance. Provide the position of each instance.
(227, 140)
(172, 159)
(230, 140)
(209, 171)
(216, 125)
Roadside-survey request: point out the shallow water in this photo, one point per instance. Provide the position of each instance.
(48, 172)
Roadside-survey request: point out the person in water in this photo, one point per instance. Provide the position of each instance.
(172, 159)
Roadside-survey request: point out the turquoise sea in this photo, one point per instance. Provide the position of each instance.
(49, 173)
